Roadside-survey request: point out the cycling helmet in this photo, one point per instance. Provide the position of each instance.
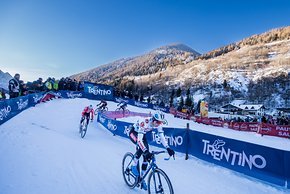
(91, 107)
(158, 116)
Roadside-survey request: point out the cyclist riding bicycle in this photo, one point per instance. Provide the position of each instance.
(137, 135)
(122, 105)
(87, 113)
(102, 105)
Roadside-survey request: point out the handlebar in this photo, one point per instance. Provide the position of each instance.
(161, 152)
(157, 152)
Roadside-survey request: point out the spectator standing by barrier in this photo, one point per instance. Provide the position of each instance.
(23, 88)
(14, 86)
(38, 85)
(48, 84)
(61, 84)
(55, 85)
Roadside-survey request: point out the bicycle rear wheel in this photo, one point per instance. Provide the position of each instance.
(126, 112)
(130, 179)
(158, 182)
(84, 127)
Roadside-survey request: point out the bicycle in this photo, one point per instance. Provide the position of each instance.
(158, 181)
(99, 109)
(83, 127)
(125, 111)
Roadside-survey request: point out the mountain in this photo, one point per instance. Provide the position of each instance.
(4, 79)
(150, 63)
(255, 68)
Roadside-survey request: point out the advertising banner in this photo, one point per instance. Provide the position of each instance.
(10, 108)
(176, 139)
(254, 160)
(98, 91)
(275, 130)
(115, 127)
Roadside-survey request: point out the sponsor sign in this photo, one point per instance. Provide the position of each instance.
(250, 159)
(275, 130)
(98, 91)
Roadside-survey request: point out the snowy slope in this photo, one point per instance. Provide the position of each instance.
(41, 152)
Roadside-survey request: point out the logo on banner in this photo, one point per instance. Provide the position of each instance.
(142, 105)
(102, 119)
(97, 91)
(22, 104)
(159, 108)
(4, 112)
(111, 126)
(37, 98)
(236, 126)
(121, 100)
(219, 152)
(244, 127)
(172, 141)
(127, 130)
(72, 95)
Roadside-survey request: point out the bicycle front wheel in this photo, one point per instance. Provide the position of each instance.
(96, 111)
(84, 127)
(130, 179)
(158, 182)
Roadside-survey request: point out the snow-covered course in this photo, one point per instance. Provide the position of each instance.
(42, 152)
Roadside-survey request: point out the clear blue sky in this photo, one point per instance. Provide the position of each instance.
(41, 38)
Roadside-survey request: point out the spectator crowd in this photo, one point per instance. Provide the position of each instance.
(17, 87)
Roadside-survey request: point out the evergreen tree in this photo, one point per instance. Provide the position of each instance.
(178, 92)
(188, 92)
(181, 103)
(198, 107)
(225, 84)
(188, 100)
(171, 98)
(141, 98)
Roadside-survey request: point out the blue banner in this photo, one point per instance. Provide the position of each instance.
(68, 94)
(175, 137)
(254, 160)
(35, 98)
(12, 107)
(116, 127)
(98, 91)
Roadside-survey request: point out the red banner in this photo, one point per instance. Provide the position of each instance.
(275, 130)
(217, 123)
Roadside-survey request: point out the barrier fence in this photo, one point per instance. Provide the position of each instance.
(265, 163)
